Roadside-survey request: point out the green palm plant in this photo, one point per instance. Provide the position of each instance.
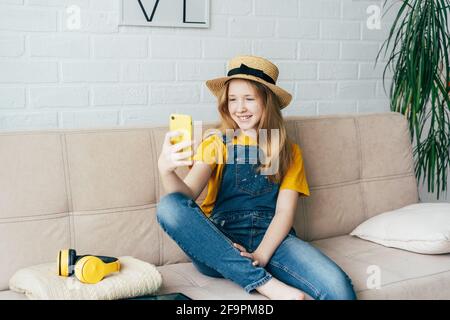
(418, 46)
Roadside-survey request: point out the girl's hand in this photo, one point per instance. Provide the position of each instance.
(170, 158)
(258, 260)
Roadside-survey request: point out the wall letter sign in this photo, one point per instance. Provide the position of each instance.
(165, 13)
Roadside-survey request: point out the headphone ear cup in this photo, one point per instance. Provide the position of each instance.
(65, 262)
(89, 269)
(72, 259)
(59, 263)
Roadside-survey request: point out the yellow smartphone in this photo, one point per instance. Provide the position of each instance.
(183, 123)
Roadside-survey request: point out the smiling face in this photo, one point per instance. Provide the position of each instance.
(244, 105)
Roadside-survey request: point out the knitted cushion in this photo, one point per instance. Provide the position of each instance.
(136, 278)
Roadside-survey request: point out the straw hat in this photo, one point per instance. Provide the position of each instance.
(253, 68)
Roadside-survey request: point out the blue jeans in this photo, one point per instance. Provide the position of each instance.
(209, 244)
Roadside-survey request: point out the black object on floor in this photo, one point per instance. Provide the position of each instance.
(169, 296)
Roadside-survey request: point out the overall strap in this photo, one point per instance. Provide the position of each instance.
(226, 142)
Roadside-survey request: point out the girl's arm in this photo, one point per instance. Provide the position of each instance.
(170, 158)
(279, 227)
(173, 183)
(192, 185)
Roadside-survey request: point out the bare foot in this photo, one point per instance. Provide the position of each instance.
(274, 289)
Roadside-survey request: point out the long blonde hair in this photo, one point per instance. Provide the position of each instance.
(271, 119)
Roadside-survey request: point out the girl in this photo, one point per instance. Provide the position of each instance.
(243, 229)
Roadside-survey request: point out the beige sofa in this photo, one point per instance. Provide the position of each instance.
(96, 190)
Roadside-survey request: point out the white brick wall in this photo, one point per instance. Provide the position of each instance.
(120, 95)
(111, 74)
(127, 46)
(19, 18)
(92, 71)
(11, 46)
(59, 46)
(59, 97)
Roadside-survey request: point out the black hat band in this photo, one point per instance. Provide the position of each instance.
(243, 69)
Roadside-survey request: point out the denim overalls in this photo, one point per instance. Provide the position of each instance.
(246, 202)
(244, 209)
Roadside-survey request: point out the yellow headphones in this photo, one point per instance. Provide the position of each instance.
(87, 268)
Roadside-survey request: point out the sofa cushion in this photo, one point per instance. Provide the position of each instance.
(184, 277)
(420, 227)
(402, 274)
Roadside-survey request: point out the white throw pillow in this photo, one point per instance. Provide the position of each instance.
(135, 278)
(420, 227)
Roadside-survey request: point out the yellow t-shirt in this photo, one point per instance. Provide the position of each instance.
(213, 151)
